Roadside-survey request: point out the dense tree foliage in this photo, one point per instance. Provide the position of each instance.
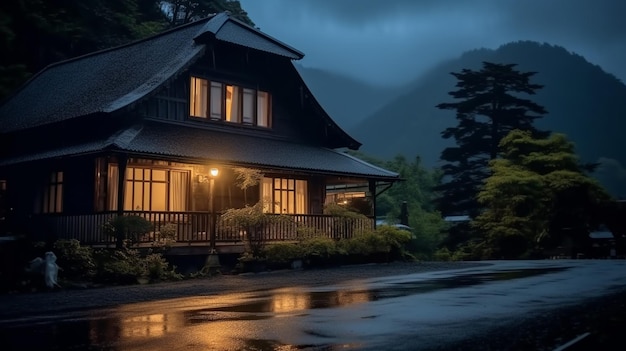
(537, 196)
(416, 190)
(489, 106)
(185, 11)
(36, 33)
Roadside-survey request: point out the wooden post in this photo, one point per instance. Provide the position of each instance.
(212, 218)
(121, 183)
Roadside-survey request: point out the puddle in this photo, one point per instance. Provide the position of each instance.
(227, 321)
(288, 301)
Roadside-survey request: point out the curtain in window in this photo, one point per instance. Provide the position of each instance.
(248, 106)
(266, 194)
(179, 183)
(199, 93)
(216, 100)
(233, 104)
(262, 107)
(301, 191)
(113, 187)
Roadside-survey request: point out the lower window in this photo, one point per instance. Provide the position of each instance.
(52, 195)
(282, 195)
(148, 189)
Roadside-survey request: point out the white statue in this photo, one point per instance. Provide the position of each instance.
(46, 266)
(51, 270)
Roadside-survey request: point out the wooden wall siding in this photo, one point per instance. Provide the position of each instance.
(191, 227)
(239, 67)
(170, 103)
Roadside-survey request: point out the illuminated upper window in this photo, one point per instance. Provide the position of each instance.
(230, 103)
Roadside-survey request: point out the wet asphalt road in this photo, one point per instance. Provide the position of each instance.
(374, 307)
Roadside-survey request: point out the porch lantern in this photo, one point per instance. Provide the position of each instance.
(214, 172)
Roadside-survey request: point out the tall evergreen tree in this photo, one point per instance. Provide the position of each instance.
(490, 105)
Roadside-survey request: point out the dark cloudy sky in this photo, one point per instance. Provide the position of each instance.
(391, 41)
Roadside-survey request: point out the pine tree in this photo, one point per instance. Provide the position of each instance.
(490, 105)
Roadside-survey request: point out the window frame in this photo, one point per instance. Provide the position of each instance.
(51, 200)
(130, 194)
(288, 191)
(256, 113)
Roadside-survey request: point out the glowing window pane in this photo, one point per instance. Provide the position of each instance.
(159, 197)
(198, 97)
(248, 106)
(159, 175)
(233, 111)
(216, 100)
(262, 109)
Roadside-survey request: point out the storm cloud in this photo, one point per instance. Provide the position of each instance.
(393, 41)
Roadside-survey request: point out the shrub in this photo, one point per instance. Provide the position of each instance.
(305, 232)
(344, 222)
(129, 228)
(118, 266)
(283, 253)
(320, 247)
(126, 266)
(165, 237)
(442, 254)
(156, 268)
(253, 222)
(365, 244)
(396, 238)
(75, 261)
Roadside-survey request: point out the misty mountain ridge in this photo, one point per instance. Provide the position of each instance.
(583, 101)
(347, 100)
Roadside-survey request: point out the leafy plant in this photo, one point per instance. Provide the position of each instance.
(126, 266)
(246, 178)
(283, 253)
(75, 260)
(365, 244)
(345, 220)
(128, 229)
(165, 236)
(119, 266)
(253, 222)
(320, 247)
(156, 268)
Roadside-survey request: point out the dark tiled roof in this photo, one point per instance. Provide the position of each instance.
(187, 142)
(112, 79)
(170, 140)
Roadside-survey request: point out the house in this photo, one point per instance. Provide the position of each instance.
(162, 128)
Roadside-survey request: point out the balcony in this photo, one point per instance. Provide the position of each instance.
(192, 228)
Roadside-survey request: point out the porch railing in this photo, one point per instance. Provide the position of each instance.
(191, 227)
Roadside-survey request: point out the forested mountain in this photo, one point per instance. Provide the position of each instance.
(349, 101)
(583, 102)
(36, 33)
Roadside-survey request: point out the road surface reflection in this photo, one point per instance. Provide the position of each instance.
(260, 320)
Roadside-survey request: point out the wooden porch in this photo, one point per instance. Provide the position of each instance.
(193, 229)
